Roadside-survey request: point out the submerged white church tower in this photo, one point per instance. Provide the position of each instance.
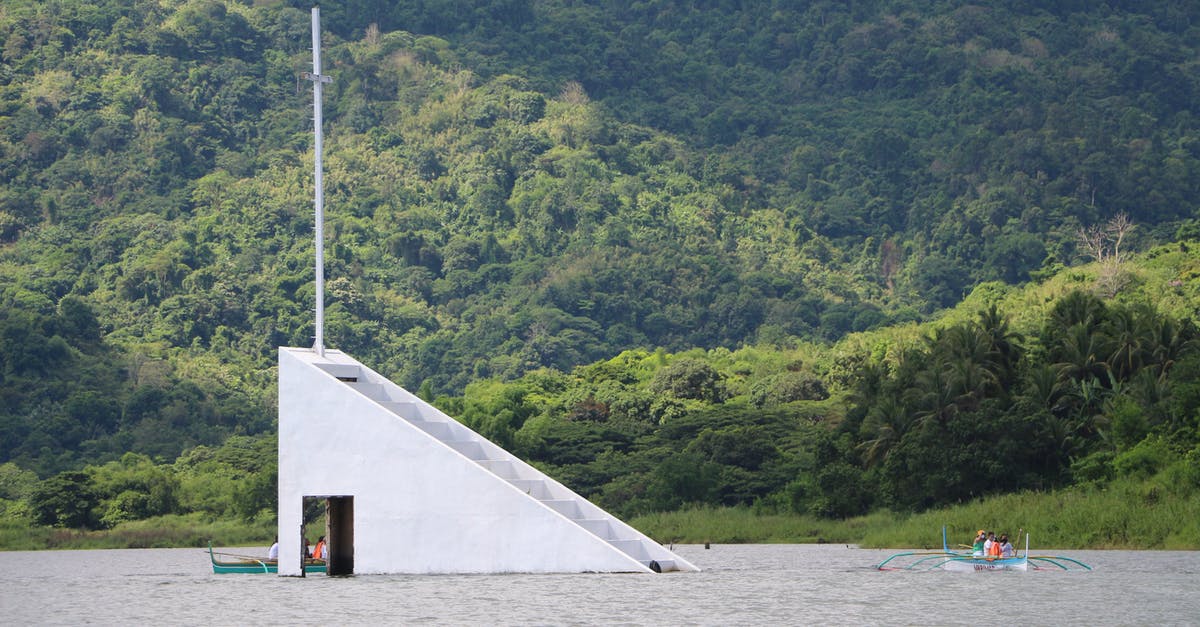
(407, 489)
(411, 490)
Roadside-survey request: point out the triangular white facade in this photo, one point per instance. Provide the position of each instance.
(428, 494)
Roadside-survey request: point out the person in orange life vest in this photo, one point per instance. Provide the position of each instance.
(321, 551)
(1006, 548)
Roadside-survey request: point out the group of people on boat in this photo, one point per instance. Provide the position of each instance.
(987, 545)
(319, 552)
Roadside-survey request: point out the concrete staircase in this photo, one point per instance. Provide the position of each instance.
(526, 481)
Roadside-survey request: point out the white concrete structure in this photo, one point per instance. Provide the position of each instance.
(413, 491)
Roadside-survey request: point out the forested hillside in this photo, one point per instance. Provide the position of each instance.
(519, 189)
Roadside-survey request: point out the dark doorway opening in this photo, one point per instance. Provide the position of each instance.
(329, 532)
(339, 526)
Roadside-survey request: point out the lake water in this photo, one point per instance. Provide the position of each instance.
(739, 585)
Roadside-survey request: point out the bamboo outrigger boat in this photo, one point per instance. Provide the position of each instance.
(246, 564)
(968, 562)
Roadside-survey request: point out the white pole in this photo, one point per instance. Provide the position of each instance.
(318, 80)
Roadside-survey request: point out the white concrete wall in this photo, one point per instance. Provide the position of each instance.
(419, 506)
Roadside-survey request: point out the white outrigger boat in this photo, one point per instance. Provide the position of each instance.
(967, 562)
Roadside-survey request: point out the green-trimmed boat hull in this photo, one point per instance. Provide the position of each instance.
(254, 566)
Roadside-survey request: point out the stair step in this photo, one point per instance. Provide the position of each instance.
(471, 449)
(598, 527)
(373, 391)
(502, 468)
(406, 410)
(566, 507)
(633, 548)
(536, 488)
(345, 372)
(439, 430)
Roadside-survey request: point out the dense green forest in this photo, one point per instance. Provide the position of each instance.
(675, 253)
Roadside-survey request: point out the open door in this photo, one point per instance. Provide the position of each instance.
(339, 530)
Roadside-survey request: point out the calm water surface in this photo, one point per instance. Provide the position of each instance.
(739, 585)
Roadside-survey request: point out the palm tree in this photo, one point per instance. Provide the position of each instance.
(932, 397)
(886, 423)
(1126, 332)
(1079, 353)
(1045, 385)
(1077, 308)
(1168, 341)
(1003, 343)
(1090, 396)
(969, 382)
(1061, 432)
